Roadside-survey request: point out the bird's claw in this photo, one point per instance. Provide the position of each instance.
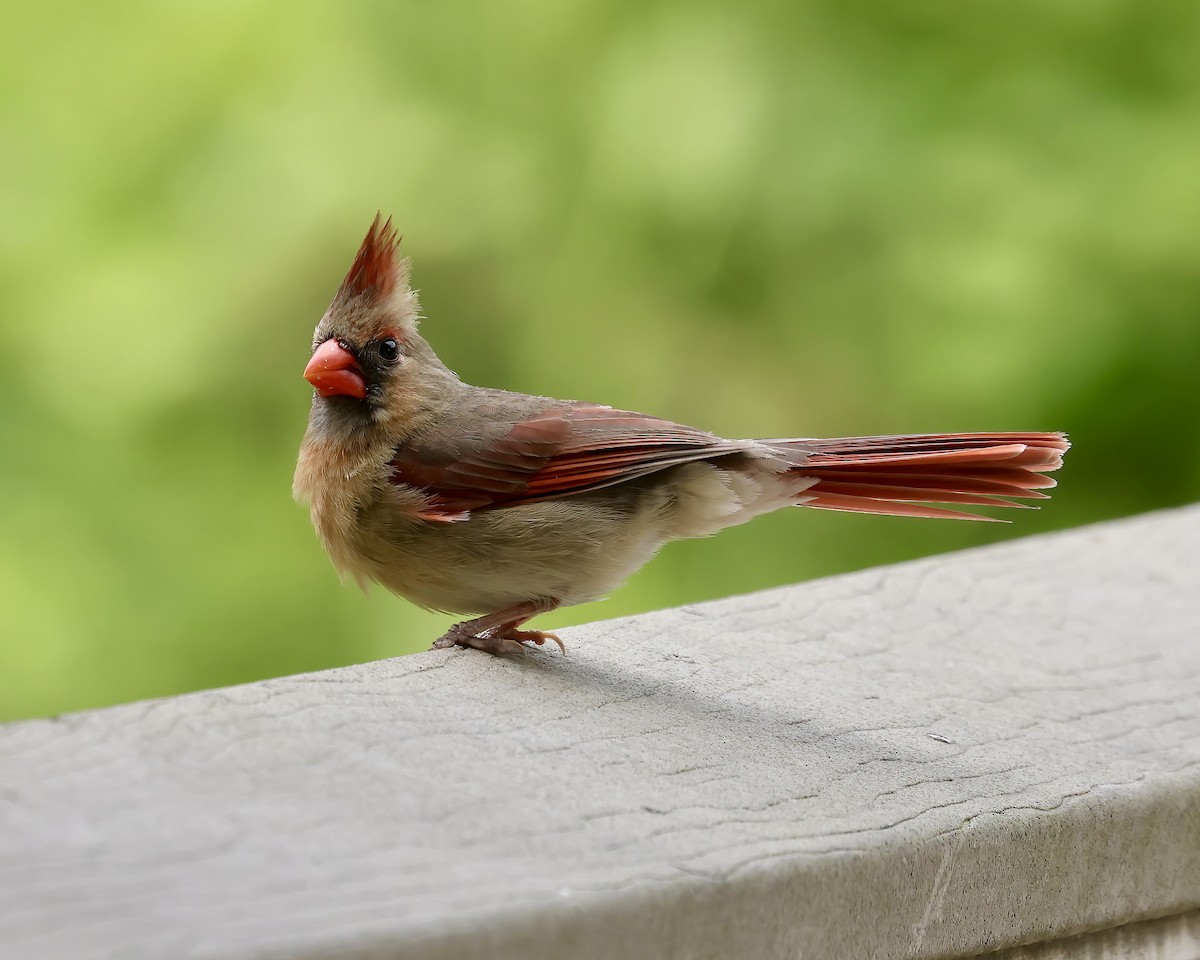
(535, 636)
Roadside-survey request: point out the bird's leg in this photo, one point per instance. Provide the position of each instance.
(497, 633)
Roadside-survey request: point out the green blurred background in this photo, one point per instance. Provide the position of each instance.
(766, 219)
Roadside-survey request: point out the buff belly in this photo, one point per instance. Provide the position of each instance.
(570, 550)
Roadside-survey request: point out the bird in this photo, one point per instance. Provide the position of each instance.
(504, 506)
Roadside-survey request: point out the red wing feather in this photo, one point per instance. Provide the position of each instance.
(561, 451)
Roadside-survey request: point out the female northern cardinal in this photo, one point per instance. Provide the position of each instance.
(473, 500)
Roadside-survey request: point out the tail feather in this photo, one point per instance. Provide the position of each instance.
(962, 482)
(906, 475)
(890, 508)
(887, 491)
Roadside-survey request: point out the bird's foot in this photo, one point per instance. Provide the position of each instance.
(498, 643)
(497, 633)
(489, 641)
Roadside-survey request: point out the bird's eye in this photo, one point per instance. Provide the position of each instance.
(389, 349)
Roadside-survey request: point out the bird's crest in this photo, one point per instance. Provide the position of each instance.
(377, 270)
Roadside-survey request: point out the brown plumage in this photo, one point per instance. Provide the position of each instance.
(474, 500)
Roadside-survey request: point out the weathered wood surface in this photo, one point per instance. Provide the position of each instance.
(1167, 938)
(935, 759)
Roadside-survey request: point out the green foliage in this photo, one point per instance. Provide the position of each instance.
(823, 219)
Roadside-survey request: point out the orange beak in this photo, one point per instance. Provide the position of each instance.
(334, 372)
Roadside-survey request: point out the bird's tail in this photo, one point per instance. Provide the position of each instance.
(905, 475)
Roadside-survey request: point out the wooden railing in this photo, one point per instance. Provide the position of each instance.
(938, 759)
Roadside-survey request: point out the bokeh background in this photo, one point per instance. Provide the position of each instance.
(820, 218)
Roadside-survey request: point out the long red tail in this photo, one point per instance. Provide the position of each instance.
(903, 475)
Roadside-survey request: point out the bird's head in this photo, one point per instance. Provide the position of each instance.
(366, 348)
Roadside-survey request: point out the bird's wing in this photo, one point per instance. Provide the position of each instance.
(564, 450)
